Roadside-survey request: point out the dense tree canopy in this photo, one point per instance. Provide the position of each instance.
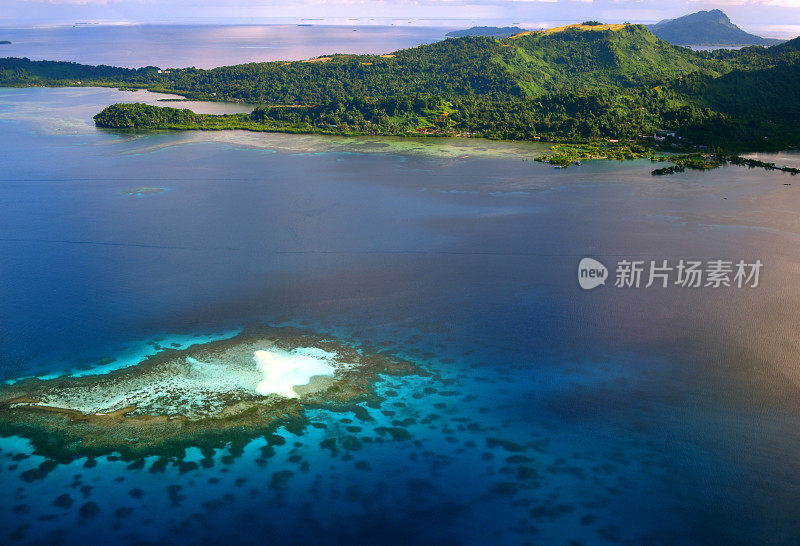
(580, 83)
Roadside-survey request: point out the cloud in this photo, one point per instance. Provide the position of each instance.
(779, 31)
(754, 3)
(450, 13)
(76, 2)
(782, 3)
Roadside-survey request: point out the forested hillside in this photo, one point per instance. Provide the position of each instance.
(576, 83)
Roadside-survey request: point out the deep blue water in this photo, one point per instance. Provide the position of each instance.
(637, 417)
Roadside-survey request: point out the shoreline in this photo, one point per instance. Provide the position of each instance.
(562, 153)
(135, 117)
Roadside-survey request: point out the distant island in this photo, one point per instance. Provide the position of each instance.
(4, 42)
(706, 28)
(493, 32)
(607, 90)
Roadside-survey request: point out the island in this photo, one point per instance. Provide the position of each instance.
(591, 89)
(4, 42)
(145, 190)
(495, 32)
(209, 395)
(711, 28)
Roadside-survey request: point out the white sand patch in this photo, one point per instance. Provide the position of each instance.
(283, 370)
(188, 386)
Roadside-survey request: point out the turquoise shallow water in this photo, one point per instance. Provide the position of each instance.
(482, 457)
(553, 415)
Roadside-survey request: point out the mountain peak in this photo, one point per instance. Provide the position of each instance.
(716, 14)
(711, 16)
(712, 27)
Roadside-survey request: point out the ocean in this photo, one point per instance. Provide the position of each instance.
(205, 46)
(552, 414)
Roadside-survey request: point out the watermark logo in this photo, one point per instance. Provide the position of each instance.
(591, 273)
(665, 273)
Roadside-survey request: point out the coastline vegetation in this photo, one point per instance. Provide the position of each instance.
(566, 154)
(704, 161)
(668, 170)
(592, 90)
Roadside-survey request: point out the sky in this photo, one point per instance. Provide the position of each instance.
(780, 18)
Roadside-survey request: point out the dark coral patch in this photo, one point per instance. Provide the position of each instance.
(88, 510)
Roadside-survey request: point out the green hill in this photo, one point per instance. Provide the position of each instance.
(584, 82)
(526, 65)
(706, 28)
(129, 116)
(760, 108)
(596, 56)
